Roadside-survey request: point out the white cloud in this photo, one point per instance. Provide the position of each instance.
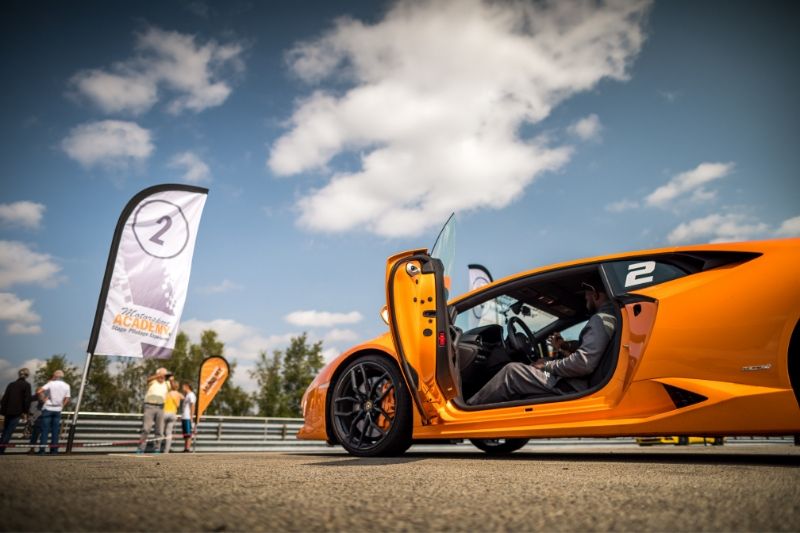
(24, 213)
(622, 205)
(191, 71)
(108, 143)
(329, 354)
(435, 119)
(691, 181)
(789, 228)
(718, 228)
(194, 169)
(225, 286)
(335, 336)
(9, 371)
(15, 328)
(125, 90)
(229, 331)
(242, 342)
(322, 319)
(19, 264)
(249, 347)
(23, 320)
(587, 128)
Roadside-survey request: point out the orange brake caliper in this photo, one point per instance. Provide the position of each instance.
(388, 406)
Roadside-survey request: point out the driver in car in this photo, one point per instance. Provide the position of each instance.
(569, 371)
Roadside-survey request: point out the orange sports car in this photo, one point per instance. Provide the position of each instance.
(707, 342)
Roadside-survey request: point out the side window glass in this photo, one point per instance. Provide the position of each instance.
(626, 276)
(572, 332)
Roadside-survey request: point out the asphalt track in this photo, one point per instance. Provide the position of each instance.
(570, 488)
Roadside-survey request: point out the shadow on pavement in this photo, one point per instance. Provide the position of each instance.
(754, 459)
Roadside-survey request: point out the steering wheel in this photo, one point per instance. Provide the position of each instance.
(520, 341)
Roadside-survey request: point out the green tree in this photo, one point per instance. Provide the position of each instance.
(58, 362)
(269, 399)
(283, 379)
(186, 359)
(129, 384)
(124, 390)
(101, 393)
(301, 362)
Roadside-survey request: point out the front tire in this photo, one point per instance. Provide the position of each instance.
(499, 446)
(370, 408)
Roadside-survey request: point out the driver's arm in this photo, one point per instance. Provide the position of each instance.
(583, 361)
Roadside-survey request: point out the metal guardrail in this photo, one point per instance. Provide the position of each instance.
(250, 434)
(214, 433)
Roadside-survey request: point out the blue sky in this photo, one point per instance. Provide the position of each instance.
(334, 134)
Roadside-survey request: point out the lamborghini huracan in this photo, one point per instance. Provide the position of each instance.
(707, 343)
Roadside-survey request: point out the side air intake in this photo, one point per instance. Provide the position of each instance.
(683, 398)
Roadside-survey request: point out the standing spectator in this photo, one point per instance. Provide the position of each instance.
(14, 406)
(189, 400)
(56, 395)
(35, 422)
(171, 404)
(157, 389)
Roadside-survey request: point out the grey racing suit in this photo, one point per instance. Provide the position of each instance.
(518, 380)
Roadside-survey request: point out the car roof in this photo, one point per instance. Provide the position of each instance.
(747, 246)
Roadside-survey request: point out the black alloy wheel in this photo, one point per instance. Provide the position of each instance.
(499, 446)
(370, 408)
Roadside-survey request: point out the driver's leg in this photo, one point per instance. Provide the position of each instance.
(515, 380)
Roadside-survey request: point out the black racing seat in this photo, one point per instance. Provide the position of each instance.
(603, 371)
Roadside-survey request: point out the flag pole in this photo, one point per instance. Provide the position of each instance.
(77, 408)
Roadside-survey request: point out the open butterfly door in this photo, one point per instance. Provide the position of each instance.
(416, 297)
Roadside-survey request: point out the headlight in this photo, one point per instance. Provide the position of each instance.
(385, 314)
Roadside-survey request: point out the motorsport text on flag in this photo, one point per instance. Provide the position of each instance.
(214, 371)
(147, 277)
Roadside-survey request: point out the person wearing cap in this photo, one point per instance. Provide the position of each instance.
(569, 371)
(157, 389)
(14, 405)
(56, 395)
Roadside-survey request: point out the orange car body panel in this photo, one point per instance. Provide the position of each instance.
(710, 327)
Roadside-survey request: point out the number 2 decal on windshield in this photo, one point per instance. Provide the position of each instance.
(638, 273)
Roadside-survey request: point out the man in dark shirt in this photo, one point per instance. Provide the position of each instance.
(14, 406)
(568, 373)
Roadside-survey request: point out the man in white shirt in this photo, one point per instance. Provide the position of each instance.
(56, 395)
(189, 400)
(157, 389)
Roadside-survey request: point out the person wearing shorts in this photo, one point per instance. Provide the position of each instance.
(189, 401)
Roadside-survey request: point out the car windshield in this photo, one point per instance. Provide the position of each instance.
(500, 310)
(444, 248)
